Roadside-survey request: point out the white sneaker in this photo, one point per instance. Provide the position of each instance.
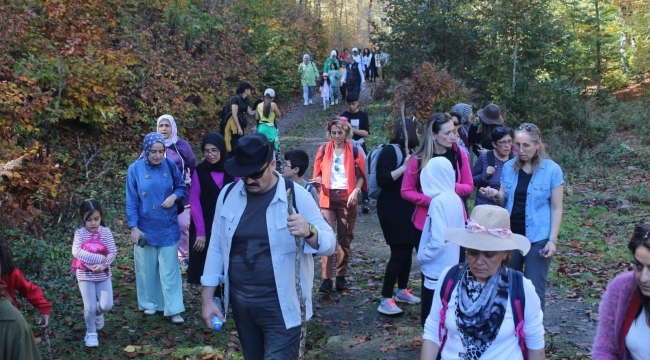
(336, 102)
(91, 340)
(177, 319)
(331, 102)
(305, 104)
(150, 312)
(310, 102)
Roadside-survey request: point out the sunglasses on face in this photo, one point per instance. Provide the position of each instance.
(258, 174)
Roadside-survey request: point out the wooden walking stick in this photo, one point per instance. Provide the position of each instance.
(406, 134)
(303, 309)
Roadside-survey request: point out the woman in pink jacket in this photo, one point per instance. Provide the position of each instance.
(624, 313)
(439, 139)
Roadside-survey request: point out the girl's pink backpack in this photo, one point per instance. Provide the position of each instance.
(93, 245)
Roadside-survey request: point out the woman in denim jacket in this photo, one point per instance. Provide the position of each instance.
(532, 190)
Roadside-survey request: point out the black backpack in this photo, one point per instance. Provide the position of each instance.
(226, 113)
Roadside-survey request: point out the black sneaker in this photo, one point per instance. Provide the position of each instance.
(364, 207)
(341, 284)
(326, 286)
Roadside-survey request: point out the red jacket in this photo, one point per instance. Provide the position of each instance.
(16, 282)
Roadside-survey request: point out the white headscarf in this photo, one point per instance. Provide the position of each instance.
(173, 138)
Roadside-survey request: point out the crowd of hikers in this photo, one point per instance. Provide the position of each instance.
(247, 223)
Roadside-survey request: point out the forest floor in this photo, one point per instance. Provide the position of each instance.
(346, 325)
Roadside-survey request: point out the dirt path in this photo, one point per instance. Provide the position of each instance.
(347, 325)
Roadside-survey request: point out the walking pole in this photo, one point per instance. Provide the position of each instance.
(406, 134)
(303, 311)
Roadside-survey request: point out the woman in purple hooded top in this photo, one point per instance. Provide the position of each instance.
(180, 152)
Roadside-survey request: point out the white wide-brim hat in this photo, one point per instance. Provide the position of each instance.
(488, 229)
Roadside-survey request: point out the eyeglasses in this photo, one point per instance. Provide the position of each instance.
(528, 127)
(211, 151)
(504, 142)
(258, 174)
(524, 146)
(288, 166)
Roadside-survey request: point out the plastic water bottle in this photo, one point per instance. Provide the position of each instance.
(216, 322)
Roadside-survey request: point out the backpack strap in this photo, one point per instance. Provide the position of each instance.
(398, 154)
(230, 186)
(490, 158)
(288, 184)
(518, 304)
(448, 285)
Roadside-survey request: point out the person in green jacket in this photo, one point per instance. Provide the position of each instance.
(16, 338)
(308, 75)
(334, 58)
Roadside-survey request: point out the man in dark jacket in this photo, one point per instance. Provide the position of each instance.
(353, 76)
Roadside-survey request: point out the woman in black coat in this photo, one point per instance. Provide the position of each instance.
(395, 218)
(208, 179)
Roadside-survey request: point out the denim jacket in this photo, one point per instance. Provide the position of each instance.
(147, 187)
(538, 200)
(283, 246)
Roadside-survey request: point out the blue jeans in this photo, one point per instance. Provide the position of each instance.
(535, 267)
(334, 93)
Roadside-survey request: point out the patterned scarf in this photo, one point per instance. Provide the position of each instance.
(147, 143)
(464, 110)
(480, 311)
(173, 138)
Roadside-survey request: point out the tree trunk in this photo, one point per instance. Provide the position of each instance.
(598, 54)
(514, 66)
(369, 16)
(341, 23)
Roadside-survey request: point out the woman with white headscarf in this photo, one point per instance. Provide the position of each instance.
(180, 152)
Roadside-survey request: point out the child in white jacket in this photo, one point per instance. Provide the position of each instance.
(445, 211)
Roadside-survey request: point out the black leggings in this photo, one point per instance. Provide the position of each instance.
(398, 269)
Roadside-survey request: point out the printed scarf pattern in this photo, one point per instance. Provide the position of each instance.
(480, 311)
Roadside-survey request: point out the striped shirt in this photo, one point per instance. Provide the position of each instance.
(82, 235)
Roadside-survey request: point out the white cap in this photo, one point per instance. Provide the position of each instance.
(270, 92)
(355, 49)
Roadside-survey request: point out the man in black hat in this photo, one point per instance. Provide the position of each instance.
(252, 252)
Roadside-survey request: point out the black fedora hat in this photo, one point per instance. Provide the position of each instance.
(491, 115)
(250, 155)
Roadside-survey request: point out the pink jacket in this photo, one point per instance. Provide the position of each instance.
(617, 305)
(412, 191)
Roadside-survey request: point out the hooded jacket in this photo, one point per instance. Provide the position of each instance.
(411, 186)
(445, 211)
(330, 60)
